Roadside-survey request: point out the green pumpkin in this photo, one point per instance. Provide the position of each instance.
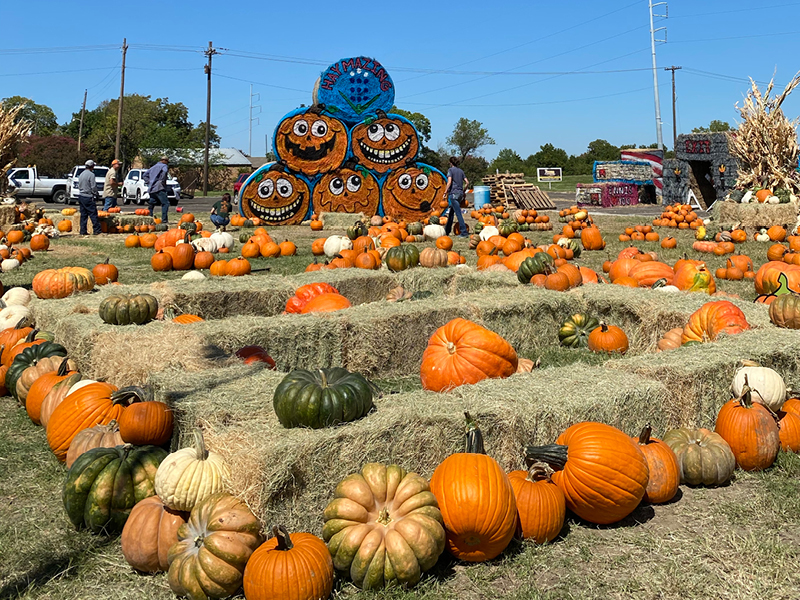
(128, 309)
(357, 230)
(434, 220)
(576, 247)
(537, 264)
(414, 228)
(322, 398)
(248, 224)
(402, 257)
(478, 227)
(29, 358)
(191, 227)
(506, 228)
(244, 237)
(524, 227)
(162, 227)
(574, 332)
(104, 484)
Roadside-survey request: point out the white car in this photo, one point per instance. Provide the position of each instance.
(72, 181)
(135, 189)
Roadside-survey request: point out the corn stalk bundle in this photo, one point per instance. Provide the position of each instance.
(11, 133)
(766, 142)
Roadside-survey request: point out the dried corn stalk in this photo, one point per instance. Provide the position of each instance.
(766, 141)
(11, 133)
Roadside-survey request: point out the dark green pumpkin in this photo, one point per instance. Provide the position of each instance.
(537, 264)
(506, 228)
(244, 237)
(402, 257)
(574, 332)
(104, 484)
(478, 228)
(434, 220)
(524, 227)
(191, 227)
(249, 224)
(576, 247)
(322, 398)
(128, 309)
(29, 358)
(414, 228)
(357, 230)
(162, 227)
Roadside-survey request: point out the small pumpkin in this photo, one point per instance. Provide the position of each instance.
(665, 473)
(105, 273)
(766, 385)
(433, 257)
(99, 436)
(784, 311)
(540, 503)
(607, 338)
(402, 257)
(128, 309)
(704, 457)
(150, 531)
(146, 423)
(574, 332)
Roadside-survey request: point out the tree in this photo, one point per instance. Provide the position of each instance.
(468, 136)
(474, 167)
(507, 160)
(53, 155)
(716, 126)
(42, 117)
(420, 122)
(547, 156)
(602, 150)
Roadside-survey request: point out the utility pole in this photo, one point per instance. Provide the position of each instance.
(653, 41)
(250, 135)
(121, 96)
(673, 68)
(209, 53)
(80, 127)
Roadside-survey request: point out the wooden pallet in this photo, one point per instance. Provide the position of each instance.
(497, 194)
(527, 196)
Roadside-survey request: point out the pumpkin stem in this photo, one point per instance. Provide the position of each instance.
(282, 535)
(113, 425)
(198, 541)
(539, 471)
(31, 336)
(554, 455)
(745, 399)
(603, 326)
(451, 349)
(134, 393)
(105, 262)
(324, 378)
(200, 444)
(63, 368)
(22, 323)
(384, 518)
(644, 436)
(749, 363)
(474, 437)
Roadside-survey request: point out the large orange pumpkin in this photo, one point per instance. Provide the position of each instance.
(694, 278)
(600, 470)
(476, 500)
(145, 423)
(326, 303)
(41, 387)
(665, 472)
(713, 318)
(647, 273)
(462, 352)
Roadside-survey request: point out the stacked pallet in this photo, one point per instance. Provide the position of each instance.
(526, 196)
(497, 193)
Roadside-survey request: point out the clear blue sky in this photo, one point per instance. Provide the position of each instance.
(493, 47)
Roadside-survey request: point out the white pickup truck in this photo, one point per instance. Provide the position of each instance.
(72, 181)
(30, 184)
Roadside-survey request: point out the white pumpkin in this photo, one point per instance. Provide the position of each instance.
(667, 288)
(206, 245)
(335, 244)
(488, 231)
(747, 198)
(223, 239)
(433, 232)
(11, 315)
(762, 236)
(773, 200)
(190, 475)
(17, 296)
(766, 385)
(9, 264)
(193, 276)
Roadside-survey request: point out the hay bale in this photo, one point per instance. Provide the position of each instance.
(753, 217)
(332, 220)
(289, 475)
(7, 217)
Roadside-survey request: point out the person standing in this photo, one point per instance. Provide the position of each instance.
(156, 179)
(220, 212)
(454, 192)
(87, 192)
(111, 185)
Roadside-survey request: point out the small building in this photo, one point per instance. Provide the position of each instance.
(225, 165)
(703, 164)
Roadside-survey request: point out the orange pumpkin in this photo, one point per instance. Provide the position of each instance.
(665, 472)
(540, 503)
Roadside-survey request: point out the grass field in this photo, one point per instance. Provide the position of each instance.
(735, 542)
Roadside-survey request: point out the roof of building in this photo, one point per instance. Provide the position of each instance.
(260, 161)
(229, 157)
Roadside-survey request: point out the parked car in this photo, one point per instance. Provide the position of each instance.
(29, 183)
(135, 189)
(72, 181)
(238, 186)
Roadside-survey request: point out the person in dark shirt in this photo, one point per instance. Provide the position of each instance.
(220, 212)
(456, 183)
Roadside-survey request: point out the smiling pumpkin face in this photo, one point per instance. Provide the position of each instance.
(412, 192)
(275, 196)
(350, 189)
(384, 143)
(311, 142)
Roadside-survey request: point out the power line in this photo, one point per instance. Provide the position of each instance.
(738, 37)
(734, 10)
(270, 85)
(55, 72)
(58, 49)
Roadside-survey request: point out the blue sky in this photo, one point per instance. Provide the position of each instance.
(495, 55)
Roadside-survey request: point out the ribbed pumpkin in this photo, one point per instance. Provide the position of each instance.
(694, 278)
(402, 257)
(703, 456)
(105, 273)
(186, 319)
(647, 273)
(750, 430)
(42, 386)
(95, 404)
(30, 364)
(150, 531)
(322, 398)
(383, 527)
(600, 470)
(56, 396)
(104, 484)
(305, 293)
(190, 475)
(607, 338)
(540, 503)
(213, 547)
(476, 501)
(766, 385)
(784, 311)
(9, 337)
(713, 318)
(432, 258)
(289, 567)
(99, 436)
(128, 309)
(789, 431)
(665, 473)
(183, 255)
(575, 331)
(326, 303)
(462, 352)
(145, 423)
(60, 283)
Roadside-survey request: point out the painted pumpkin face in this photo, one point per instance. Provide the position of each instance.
(385, 143)
(311, 142)
(412, 192)
(349, 190)
(275, 196)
